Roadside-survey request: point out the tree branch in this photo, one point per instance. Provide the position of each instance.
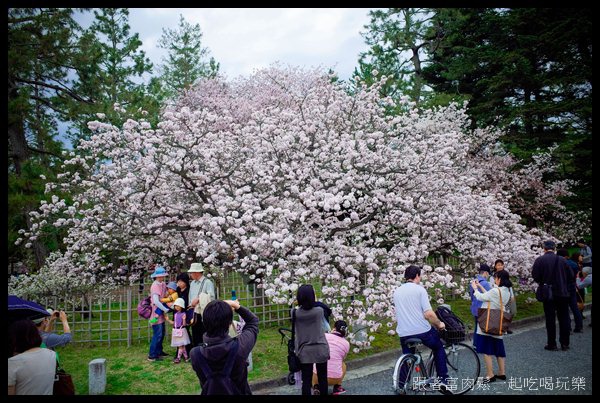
(36, 150)
(57, 88)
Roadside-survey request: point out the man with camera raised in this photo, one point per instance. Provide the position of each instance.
(45, 326)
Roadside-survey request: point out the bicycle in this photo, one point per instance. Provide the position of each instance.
(462, 361)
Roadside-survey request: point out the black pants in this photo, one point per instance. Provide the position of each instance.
(197, 330)
(557, 307)
(307, 374)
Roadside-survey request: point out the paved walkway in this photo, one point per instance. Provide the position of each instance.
(533, 369)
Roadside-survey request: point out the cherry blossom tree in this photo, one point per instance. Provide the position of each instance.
(287, 177)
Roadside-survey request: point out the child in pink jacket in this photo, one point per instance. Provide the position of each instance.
(338, 349)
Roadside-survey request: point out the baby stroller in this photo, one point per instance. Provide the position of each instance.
(286, 337)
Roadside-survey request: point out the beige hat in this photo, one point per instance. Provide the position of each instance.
(196, 268)
(179, 302)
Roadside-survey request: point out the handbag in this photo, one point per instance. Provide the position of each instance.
(177, 332)
(494, 321)
(293, 360)
(63, 382)
(544, 293)
(203, 299)
(580, 304)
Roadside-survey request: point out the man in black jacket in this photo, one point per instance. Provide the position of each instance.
(217, 317)
(552, 269)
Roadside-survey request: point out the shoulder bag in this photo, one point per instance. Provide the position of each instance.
(63, 382)
(494, 321)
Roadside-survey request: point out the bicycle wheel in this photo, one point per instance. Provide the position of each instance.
(463, 367)
(410, 380)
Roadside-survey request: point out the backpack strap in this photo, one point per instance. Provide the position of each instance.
(228, 364)
(231, 358)
(58, 366)
(293, 323)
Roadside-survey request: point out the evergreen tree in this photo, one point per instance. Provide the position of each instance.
(186, 58)
(41, 53)
(528, 71)
(113, 73)
(399, 46)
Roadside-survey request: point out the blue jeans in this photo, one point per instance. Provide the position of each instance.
(156, 344)
(575, 309)
(432, 340)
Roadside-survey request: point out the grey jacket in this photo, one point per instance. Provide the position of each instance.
(311, 344)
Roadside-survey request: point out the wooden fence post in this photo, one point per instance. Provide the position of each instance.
(129, 319)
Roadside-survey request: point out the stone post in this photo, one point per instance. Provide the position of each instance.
(97, 376)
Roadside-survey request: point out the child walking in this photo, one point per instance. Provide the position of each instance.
(179, 336)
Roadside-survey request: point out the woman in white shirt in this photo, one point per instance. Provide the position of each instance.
(490, 345)
(31, 369)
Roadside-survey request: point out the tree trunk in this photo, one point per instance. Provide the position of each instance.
(19, 151)
(39, 249)
(418, 75)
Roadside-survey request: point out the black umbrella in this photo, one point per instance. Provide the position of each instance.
(22, 309)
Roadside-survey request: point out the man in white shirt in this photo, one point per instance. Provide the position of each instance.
(415, 319)
(199, 284)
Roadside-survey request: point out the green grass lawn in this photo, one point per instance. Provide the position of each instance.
(128, 371)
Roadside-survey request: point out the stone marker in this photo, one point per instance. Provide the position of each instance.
(97, 376)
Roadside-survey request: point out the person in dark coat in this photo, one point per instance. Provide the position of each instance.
(183, 291)
(217, 317)
(576, 264)
(326, 314)
(552, 269)
(572, 294)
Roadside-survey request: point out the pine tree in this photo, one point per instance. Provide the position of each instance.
(186, 58)
(400, 44)
(113, 73)
(41, 53)
(528, 71)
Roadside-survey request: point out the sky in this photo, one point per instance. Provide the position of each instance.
(245, 39)
(242, 40)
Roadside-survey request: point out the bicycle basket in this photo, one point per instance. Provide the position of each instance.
(453, 336)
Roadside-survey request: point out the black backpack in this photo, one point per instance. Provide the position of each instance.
(219, 382)
(456, 330)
